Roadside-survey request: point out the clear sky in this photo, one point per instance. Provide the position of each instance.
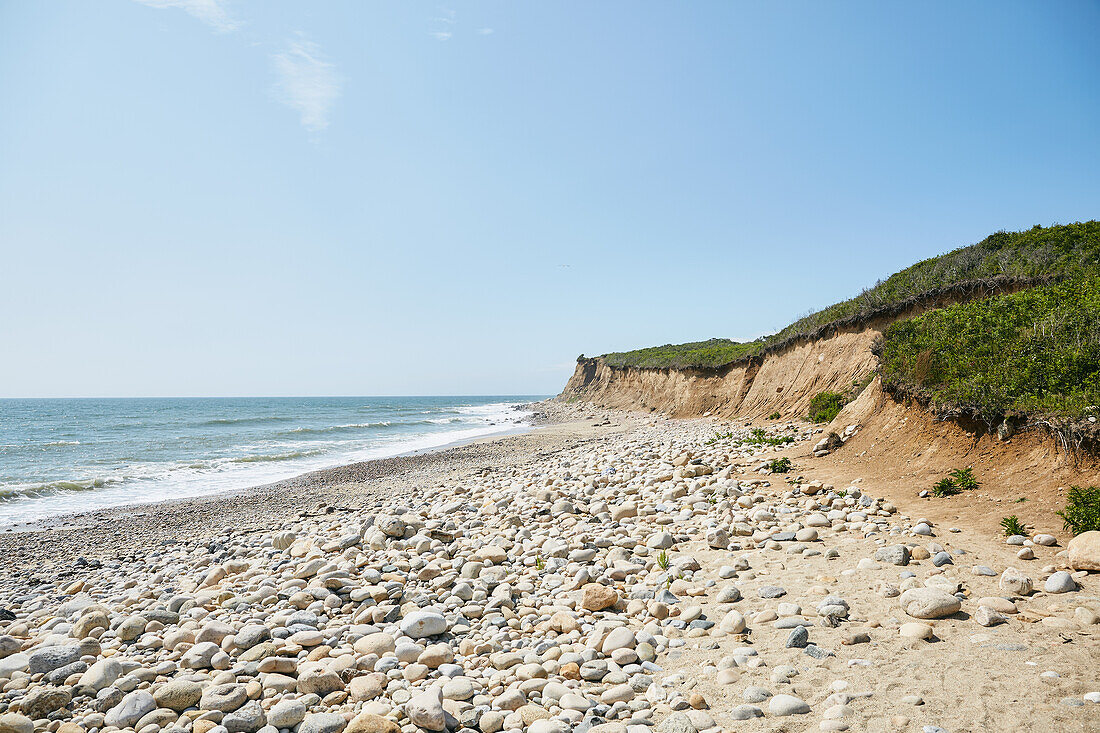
(236, 197)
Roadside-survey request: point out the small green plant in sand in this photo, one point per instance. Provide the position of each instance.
(1013, 526)
(662, 560)
(1021, 500)
(719, 436)
(944, 487)
(759, 436)
(779, 465)
(964, 478)
(773, 416)
(1082, 512)
(961, 479)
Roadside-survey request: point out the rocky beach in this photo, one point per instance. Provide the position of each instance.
(609, 573)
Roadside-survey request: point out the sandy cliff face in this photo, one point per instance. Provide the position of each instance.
(782, 382)
(784, 379)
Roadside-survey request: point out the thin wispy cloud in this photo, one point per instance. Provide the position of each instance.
(442, 24)
(210, 12)
(485, 31)
(306, 83)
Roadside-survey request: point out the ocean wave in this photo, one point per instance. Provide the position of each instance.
(18, 491)
(54, 443)
(245, 420)
(349, 426)
(265, 458)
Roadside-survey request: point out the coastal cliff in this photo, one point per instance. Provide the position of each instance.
(784, 381)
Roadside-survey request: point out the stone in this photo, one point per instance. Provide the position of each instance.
(929, 603)
(226, 697)
(422, 624)
(286, 714)
(327, 723)
(620, 638)
(371, 723)
(13, 723)
(755, 694)
(250, 717)
(732, 623)
(178, 695)
(200, 656)
(1014, 582)
(746, 712)
(986, 616)
(41, 701)
(894, 554)
(597, 597)
(1060, 582)
(677, 723)
(660, 541)
(100, 675)
(367, 687)
(915, 630)
(1083, 552)
(131, 709)
(319, 681)
(47, 659)
(426, 710)
(798, 638)
(783, 705)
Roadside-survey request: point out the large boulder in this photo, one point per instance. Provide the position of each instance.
(1084, 552)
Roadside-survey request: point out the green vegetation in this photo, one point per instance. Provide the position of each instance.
(1040, 252)
(700, 354)
(1013, 526)
(1082, 512)
(773, 416)
(824, 406)
(760, 437)
(719, 436)
(944, 487)
(961, 479)
(662, 560)
(779, 465)
(539, 562)
(1036, 351)
(964, 478)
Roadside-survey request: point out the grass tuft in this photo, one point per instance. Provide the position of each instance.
(1013, 526)
(779, 465)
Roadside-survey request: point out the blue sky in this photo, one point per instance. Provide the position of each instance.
(225, 197)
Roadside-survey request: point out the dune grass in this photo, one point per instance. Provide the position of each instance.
(699, 354)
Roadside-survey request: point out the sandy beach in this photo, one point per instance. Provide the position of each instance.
(607, 572)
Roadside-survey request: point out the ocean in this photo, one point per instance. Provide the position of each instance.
(59, 456)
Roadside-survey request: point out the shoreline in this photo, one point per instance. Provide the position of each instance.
(63, 518)
(345, 487)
